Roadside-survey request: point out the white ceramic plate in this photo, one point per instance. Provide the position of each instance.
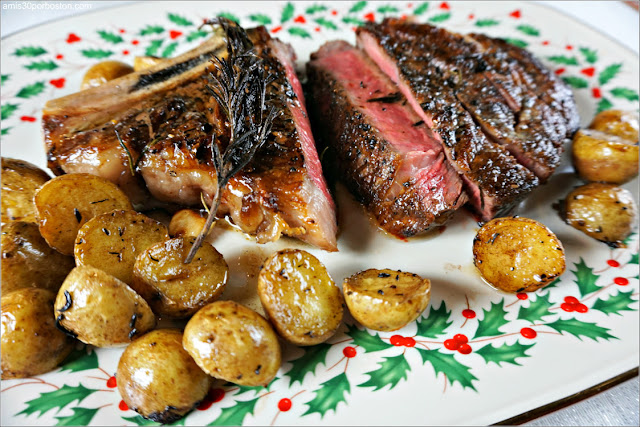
(360, 377)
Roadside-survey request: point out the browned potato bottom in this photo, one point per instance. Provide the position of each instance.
(158, 379)
(518, 254)
(234, 343)
(20, 180)
(31, 343)
(386, 300)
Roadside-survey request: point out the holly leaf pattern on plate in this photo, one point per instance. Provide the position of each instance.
(590, 55)
(287, 13)
(80, 417)
(179, 20)
(576, 82)
(440, 17)
(329, 395)
(391, 371)
(169, 49)
(30, 51)
(7, 110)
(486, 23)
(516, 42)
(230, 16)
(493, 320)
(56, 399)
(505, 353)
(615, 303)
(369, 342)
(194, 35)
(608, 73)
(579, 329)
(603, 105)
(625, 93)
(41, 66)
(537, 309)
(316, 8)
(80, 360)
(31, 90)
(564, 60)
(323, 22)
(353, 21)
(110, 37)
(436, 323)
(448, 365)
(358, 6)
(424, 6)
(259, 18)
(528, 30)
(585, 278)
(387, 9)
(151, 29)
(235, 415)
(307, 363)
(96, 53)
(154, 46)
(299, 32)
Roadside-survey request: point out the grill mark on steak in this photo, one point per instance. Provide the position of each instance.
(165, 74)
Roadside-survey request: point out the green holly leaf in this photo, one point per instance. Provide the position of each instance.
(80, 360)
(528, 30)
(56, 399)
(4, 78)
(564, 60)
(590, 55)
(41, 66)
(353, 21)
(260, 19)
(626, 93)
(608, 73)
(139, 420)
(369, 342)
(30, 51)
(96, 53)
(392, 370)
(169, 49)
(516, 42)
(537, 309)
(616, 303)
(585, 279)
(5, 131)
(358, 7)
(603, 105)
(80, 417)
(440, 18)
(308, 362)
(179, 20)
(578, 329)
(576, 82)
(31, 90)
(629, 238)
(421, 9)
(326, 23)
(387, 9)
(300, 32)
(234, 415)
(505, 353)
(110, 37)
(7, 110)
(287, 13)
(329, 395)
(634, 259)
(151, 29)
(486, 23)
(230, 16)
(436, 323)
(492, 321)
(194, 35)
(152, 49)
(316, 8)
(447, 364)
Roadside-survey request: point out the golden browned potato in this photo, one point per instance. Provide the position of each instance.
(31, 343)
(112, 241)
(386, 300)
(176, 289)
(616, 122)
(104, 71)
(158, 379)
(67, 202)
(602, 211)
(234, 343)
(518, 254)
(100, 309)
(186, 223)
(598, 156)
(20, 180)
(303, 303)
(27, 260)
(145, 62)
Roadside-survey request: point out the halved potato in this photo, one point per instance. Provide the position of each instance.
(598, 156)
(145, 62)
(617, 122)
(104, 71)
(518, 254)
(186, 223)
(386, 300)
(112, 241)
(20, 180)
(302, 301)
(65, 203)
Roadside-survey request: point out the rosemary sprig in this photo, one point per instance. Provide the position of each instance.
(125, 148)
(239, 87)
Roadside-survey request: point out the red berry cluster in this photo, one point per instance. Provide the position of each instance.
(399, 340)
(572, 304)
(459, 343)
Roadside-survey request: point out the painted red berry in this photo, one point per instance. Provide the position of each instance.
(134, 42)
(461, 338)
(397, 340)
(334, 12)
(596, 93)
(589, 72)
(349, 352)
(522, 296)
(471, 16)
(59, 83)
(28, 119)
(409, 342)
(125, 52)
(59, 56)
(468, 313)
(317, 29)
(465, 349)
(370, 17)
(123, 406)
(122, 31)
(571, 300)
(528, 333)
(451, 344)
(545, 43)
(515, 14)
(581, 308)
(613, 263)
(300, 19)
(112, 383)
(569, 47)
(559, 71)
(621, 281)
(276, 29)
(567, 307)
(175, 34)
(444, 5)
(72, 38)
(284, 405)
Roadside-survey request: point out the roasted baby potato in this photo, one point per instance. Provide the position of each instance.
(27, 260)
(386, 300)
(20, 180)
(186, 223)
(67, 202)
(100, 309)
(234, 343)
(31, 343)
(619, 123)
(158, 379)
(602, 211)
(598, 156)
(104, 71)
(112, 241)
(176, 289)
(518, 254)
(300, 298)
(144, 62)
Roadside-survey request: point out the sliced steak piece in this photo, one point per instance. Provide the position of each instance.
(166, 119)
(387, 157)
(495, 180)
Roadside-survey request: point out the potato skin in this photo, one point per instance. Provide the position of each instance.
(20, 180)
(602, 157)
(173, 383)
(302, 301)
(518, 254)
(386, 300)
(27, 260)
(100, 309)
(31, 343)
(617, 122)
(234, 343)
(602, 211)
(112, 241)
(144, 62)
(104, 71)
(65, 203)
(186, 223)
(173, 288)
